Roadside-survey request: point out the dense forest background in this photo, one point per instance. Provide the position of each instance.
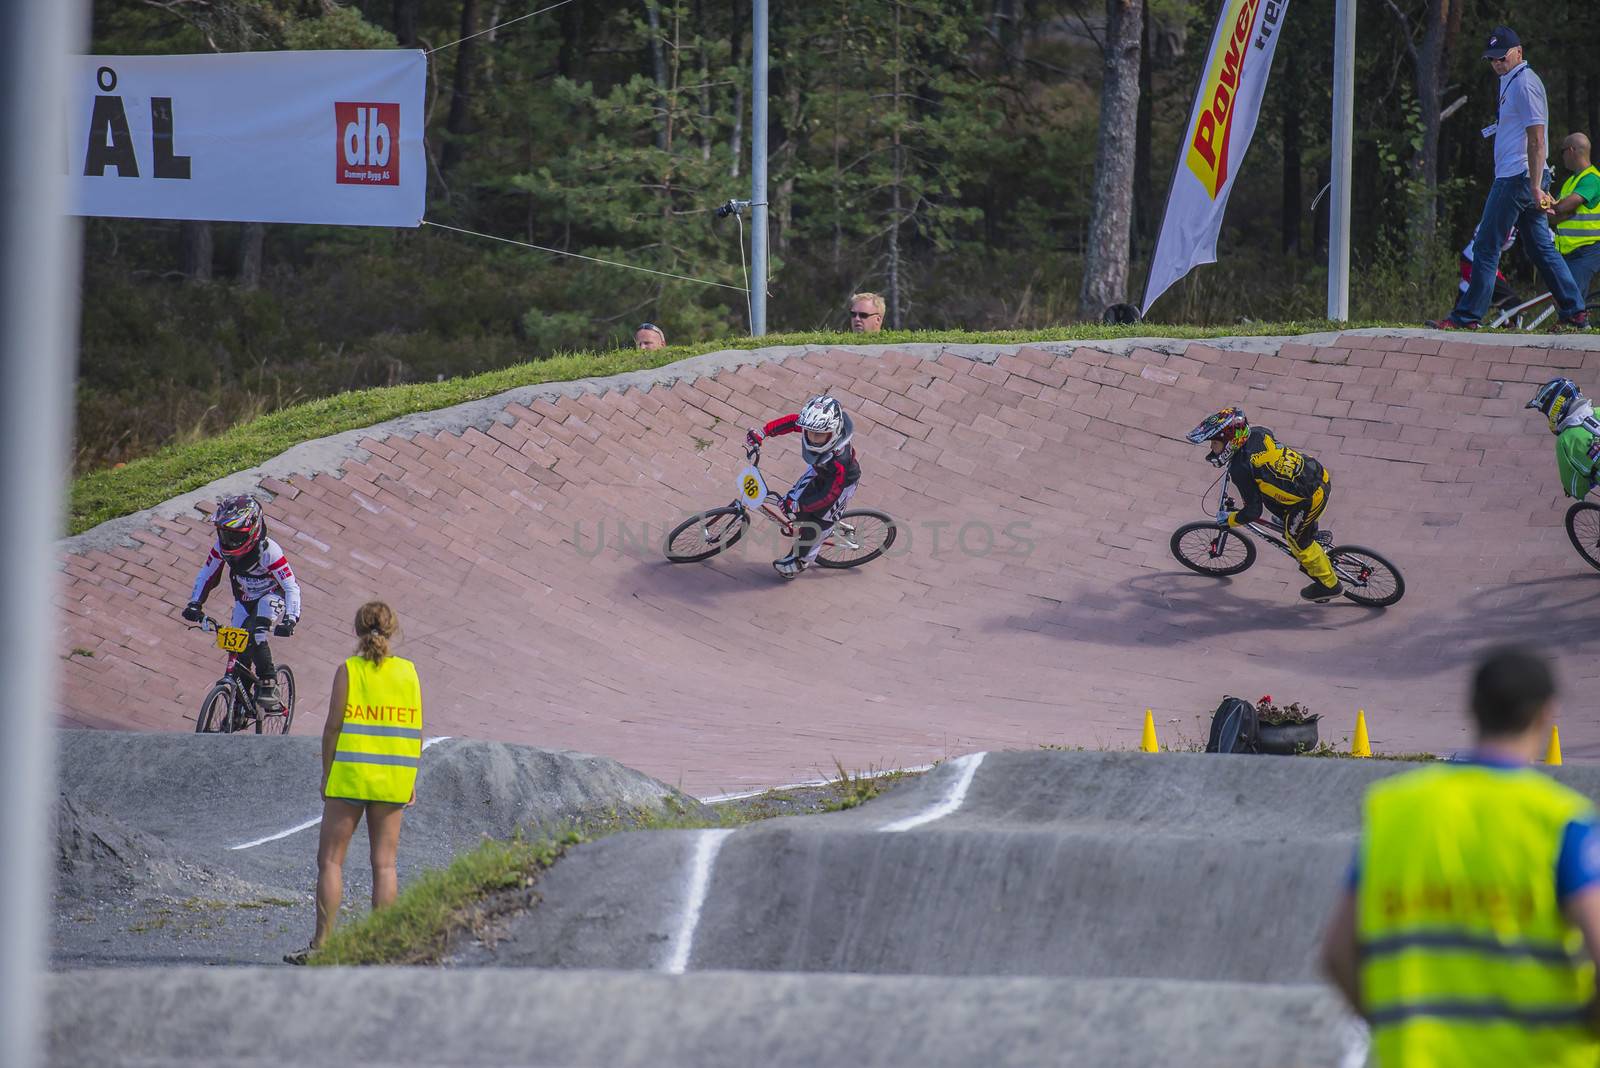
(942, 152)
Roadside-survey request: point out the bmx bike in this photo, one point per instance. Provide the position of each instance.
(1583, 528)
(1530, 314)
(859, 535)
(1369, 579)
(230, 705)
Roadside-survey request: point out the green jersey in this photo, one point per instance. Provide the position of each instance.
(1576, 447)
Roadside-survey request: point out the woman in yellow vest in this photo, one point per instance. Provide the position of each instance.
(1470, 924)
(371, 747)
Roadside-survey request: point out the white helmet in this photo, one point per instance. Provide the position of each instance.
(822, 415)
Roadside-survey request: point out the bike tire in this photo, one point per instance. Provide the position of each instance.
(216, 711)
(705, 534)
(1583, 530)
(882, 538)
(1374, 594)
(1200, 553)
(279, 722)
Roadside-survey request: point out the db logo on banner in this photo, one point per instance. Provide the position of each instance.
(367, 153)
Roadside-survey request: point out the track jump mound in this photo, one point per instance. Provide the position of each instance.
(1088, 865)
(325, 1019)
(225, 822)
(1030, 597)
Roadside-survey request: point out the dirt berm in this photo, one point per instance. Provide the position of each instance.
(174, 846)
(1178, 866)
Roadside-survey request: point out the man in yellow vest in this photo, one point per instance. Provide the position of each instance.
(1576, 214)
(1468, 931)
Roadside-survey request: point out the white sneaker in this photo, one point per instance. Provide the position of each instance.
(789, 567)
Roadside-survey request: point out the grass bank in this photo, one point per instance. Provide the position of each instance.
(98, 496)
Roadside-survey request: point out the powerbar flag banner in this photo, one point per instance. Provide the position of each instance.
(285, 137)
(1226, 107)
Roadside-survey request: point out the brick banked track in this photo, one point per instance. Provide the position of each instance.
(1032, 598)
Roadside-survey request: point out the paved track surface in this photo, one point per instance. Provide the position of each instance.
(382, 1016)
(155, 861)
(520, 539)
(1088, 865)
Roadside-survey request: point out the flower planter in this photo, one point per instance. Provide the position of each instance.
(1287, 739)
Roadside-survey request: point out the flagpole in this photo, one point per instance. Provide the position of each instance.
(1341, 143)
(38, 315)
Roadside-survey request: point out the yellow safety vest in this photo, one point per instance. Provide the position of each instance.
(1584, 227)
(1466, 959)
(380, 742)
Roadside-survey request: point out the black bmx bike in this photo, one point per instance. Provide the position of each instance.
(859, 535)
(1209, 549)
(230, 705)
(1583, 528)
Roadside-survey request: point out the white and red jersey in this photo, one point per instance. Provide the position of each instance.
(267, 572)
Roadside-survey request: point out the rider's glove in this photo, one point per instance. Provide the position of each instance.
(285, 629)
(1222, 517)
(193, 612)
(752, 438)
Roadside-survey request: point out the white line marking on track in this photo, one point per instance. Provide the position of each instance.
(706, 845)
(717, 799)
(313, 821)
(952, 800)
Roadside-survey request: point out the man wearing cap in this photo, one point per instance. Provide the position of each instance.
(1517, 197)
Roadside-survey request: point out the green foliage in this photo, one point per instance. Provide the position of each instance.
(927, 149)
(416, 928)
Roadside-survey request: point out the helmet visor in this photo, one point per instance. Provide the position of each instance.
(234, 540)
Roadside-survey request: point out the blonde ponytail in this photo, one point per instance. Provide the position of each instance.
(376, 627)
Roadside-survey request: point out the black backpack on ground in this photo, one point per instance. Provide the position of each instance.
(1234, 727)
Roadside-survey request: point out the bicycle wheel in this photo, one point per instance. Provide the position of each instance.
(216, 711)
(1583, 527)
(857, 537)
(703, 536)
(1209, 550)
(278, 722)
(1368, 578)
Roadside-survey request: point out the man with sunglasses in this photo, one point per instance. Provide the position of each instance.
(649, 336)
(866, 313)
(1517, 197)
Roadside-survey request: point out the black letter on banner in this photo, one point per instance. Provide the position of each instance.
(110, 124)
(168, 165)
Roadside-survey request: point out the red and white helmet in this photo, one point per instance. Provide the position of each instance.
(241, 526)
(827, 429)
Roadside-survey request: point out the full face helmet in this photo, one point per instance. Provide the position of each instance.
(1229, 426)
(826, 429)
(241, 526)
(1556, 399)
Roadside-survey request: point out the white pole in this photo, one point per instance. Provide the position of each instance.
(758, 169)
(1341, 145)
(38, 303)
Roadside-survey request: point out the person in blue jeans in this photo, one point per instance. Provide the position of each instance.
(1517, 197)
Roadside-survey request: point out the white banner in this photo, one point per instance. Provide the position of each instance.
(302, 137)
(1223, 121)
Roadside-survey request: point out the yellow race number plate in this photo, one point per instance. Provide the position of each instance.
(233, 639)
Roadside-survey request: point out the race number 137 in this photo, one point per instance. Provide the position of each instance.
(367, 153)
